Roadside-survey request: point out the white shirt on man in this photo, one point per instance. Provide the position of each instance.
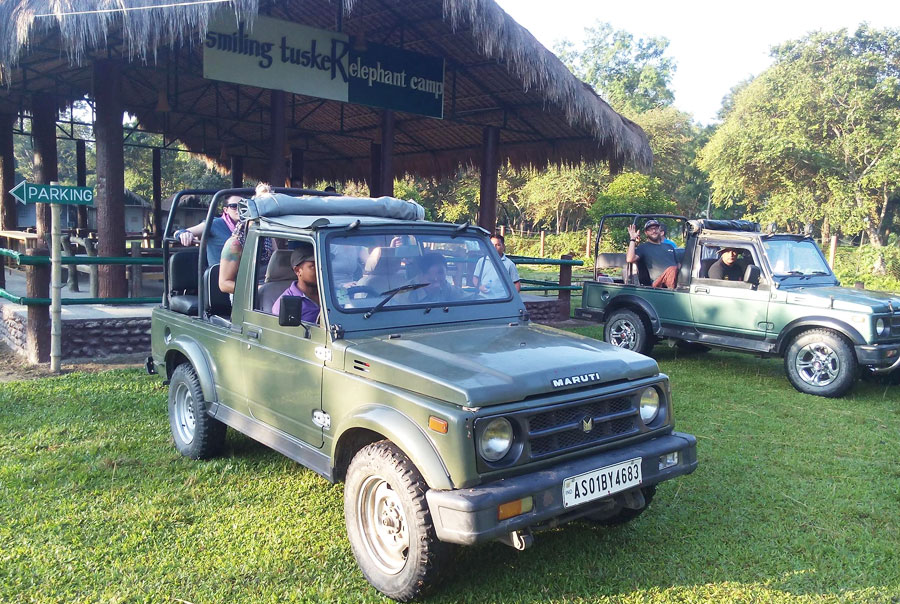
(487, 275)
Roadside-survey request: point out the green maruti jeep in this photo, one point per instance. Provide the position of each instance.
(788, 304)
(451, 417)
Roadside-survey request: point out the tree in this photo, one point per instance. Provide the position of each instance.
(816, 138)
(676, 142)
(633, 192)
(633, 75)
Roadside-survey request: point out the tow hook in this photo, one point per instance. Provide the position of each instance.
(151, 367)
(520, 540)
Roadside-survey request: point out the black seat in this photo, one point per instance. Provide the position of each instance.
(183, 281)
(215, 302)
(705, 263)
(643, 273)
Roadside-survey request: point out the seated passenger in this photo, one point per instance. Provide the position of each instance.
(658, 258)
(303, 260)
(727, 268)
(433, 270)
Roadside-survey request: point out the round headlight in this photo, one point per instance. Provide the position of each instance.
(879, 326)
(649, 404)
(496, 439)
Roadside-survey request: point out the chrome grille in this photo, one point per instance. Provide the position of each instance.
(895, 324)
(561, 428)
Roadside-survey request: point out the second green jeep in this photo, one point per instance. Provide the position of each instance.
(451, 418)
(785, 301)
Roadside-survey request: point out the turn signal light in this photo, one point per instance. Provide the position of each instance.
(437, 424)
(514, 508)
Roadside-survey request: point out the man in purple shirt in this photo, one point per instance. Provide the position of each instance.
(303, 259)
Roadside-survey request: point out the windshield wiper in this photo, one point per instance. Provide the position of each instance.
(391, 293)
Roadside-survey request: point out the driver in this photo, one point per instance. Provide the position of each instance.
(727, 268)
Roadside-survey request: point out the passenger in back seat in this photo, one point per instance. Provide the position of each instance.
(658, 258)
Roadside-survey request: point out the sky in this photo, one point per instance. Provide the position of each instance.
(715, 44)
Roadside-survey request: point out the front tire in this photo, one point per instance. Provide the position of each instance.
(389, 524)
(196, 434)
(821, 362)
(626, 329)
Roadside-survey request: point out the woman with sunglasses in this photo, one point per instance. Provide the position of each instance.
(222, 228)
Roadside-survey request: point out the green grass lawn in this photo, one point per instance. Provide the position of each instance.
(796, 499)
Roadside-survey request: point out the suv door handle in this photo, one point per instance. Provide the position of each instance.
(701, 290)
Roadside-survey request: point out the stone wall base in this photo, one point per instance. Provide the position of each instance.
(82, 338)
(543, 309)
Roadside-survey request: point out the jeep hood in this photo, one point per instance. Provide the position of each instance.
(487, 365)
(845, 298)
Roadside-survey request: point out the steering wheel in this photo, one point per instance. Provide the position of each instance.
(361, 289)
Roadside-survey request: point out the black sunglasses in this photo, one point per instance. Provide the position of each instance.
(233, 206)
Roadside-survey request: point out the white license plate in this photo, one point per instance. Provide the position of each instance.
(602, 482)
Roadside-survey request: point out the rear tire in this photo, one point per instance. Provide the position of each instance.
(821, 362)
(196, 434)
(627, 329)
(389, 524)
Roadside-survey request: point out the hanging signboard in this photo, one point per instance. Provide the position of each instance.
(287, 56)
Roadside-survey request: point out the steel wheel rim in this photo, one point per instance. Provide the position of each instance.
(623, 334)
(817, 364)
(383, 525)
(185, 423)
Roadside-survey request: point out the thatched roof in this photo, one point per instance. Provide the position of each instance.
(497, 73)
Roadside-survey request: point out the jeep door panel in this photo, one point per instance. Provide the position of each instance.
(283, 375)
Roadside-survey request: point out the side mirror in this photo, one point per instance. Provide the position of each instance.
(751, 275)
(290, 311)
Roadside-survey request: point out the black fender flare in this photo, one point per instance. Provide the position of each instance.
(636, 303)
(817, 322)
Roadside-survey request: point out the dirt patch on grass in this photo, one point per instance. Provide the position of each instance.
(15, 368)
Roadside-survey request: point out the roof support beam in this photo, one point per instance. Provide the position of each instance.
(110, 194)
(45, 112)
(490, 166)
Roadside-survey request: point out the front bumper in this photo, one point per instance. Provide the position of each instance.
(881, 358)
(468, 516)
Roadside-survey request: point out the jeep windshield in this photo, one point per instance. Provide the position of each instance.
(795, 258)
(408, 269)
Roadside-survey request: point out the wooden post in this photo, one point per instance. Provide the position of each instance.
(157, 198)
(81, 181)
(8, 218)
(542, 243)
(297, 168)
(565, 296)
(490, 165)
(71, 269)
(278, 136)
(109, 199)
(503, 230)
(375, 170)
(37, 326)
(387, 152)
(90, 248)
(237, 171)
(832, 251)
(43, 134)
(137, 272)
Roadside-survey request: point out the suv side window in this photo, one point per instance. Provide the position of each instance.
(277, 276)
(711, 253)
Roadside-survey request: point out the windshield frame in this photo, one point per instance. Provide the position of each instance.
(422, 234)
